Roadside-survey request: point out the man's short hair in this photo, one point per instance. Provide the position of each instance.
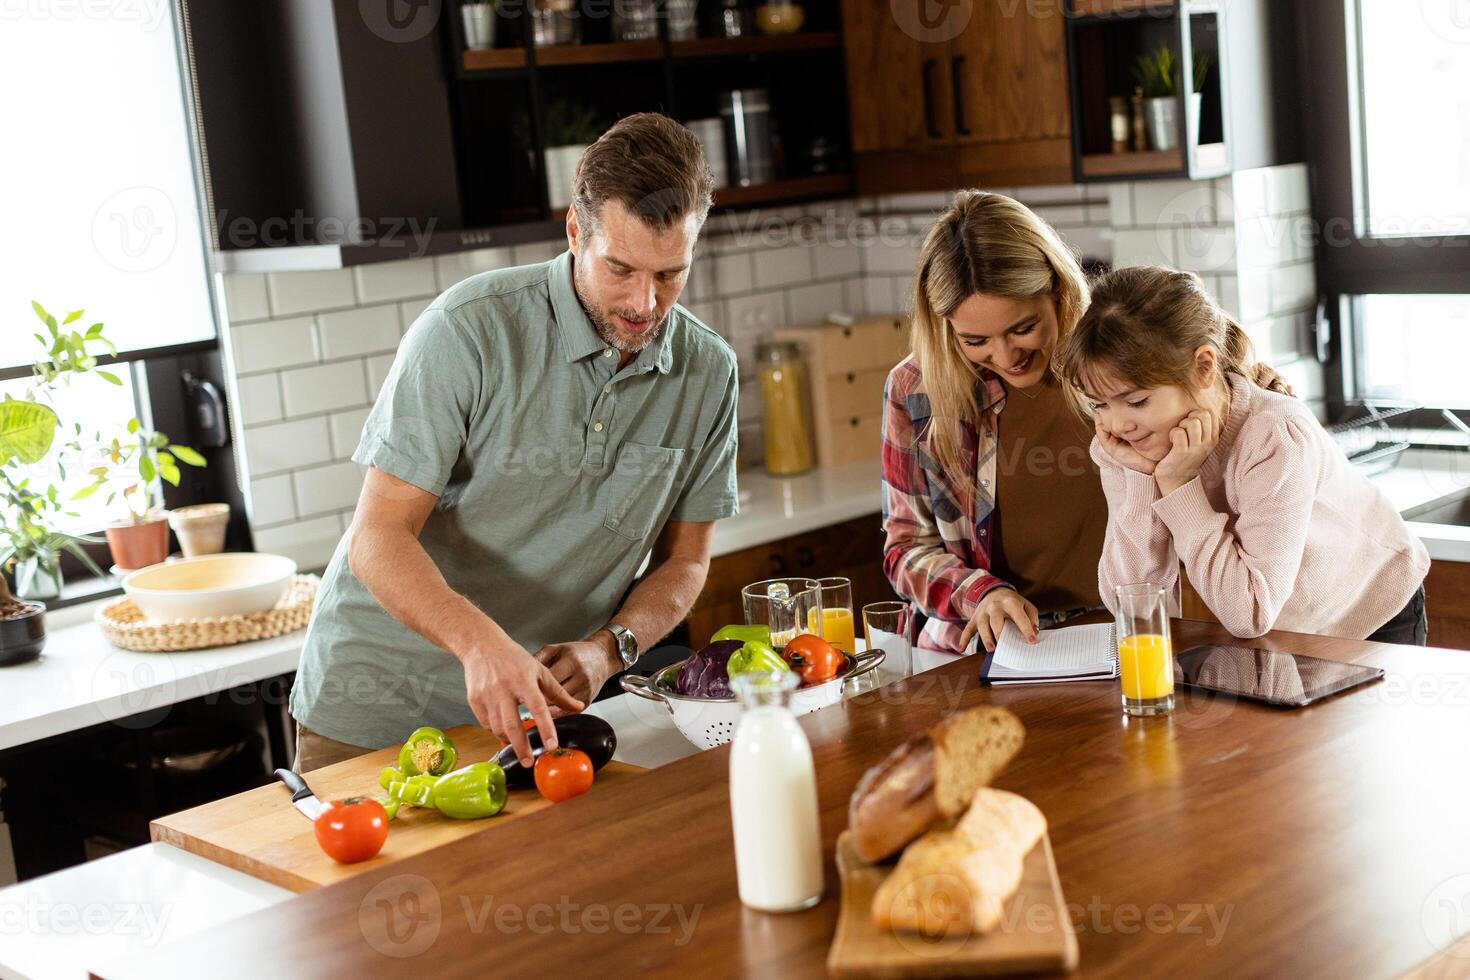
(650, 164)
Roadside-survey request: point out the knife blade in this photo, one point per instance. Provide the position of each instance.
(302, 798)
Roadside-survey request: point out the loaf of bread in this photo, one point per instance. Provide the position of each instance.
(956, 880)
(929, 778)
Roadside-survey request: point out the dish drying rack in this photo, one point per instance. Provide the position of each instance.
(1370, 442)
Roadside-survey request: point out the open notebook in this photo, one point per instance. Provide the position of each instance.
(1073, 653)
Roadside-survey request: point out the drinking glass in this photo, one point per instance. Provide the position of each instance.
(1145, 652)
(787, 605)
(886, 626)
(836, 620)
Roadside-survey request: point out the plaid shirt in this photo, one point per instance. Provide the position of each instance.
(937, 548)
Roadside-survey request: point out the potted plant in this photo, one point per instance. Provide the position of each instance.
(30, 548)
(127, 468)
(569, 131)
(1158, 74)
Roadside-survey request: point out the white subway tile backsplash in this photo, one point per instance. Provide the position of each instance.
(1293, 288)
(246, 297)
(837, 260)
(1206, 248)
(281, 446)
(712, 314)
(782, 266)
(384, 281)
(377, 372)
(1120, 205)
(732, 274)
(809, 304)
(891, 254)
(532, 252)
(752, 318)
(451, 269)
(323, 489)
(750, 407)
(1227, 294)
(1175, 202)
(1144, 246)
(323, 388)
(310, 292)
(1255, 294)
(271, 500)
(346, 431)
(1062, 215)
(411, 311)
(273, 344)
(1287, 189)
(1266, 242)
(877, 295)
(1248, 194)
(258, 399)
(1050, 194)
(930, 202)
(366, 330)
(309, 543)
(1089, 243)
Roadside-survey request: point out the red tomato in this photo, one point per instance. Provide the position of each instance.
(353, 829)
(813, 657)
(563, 773)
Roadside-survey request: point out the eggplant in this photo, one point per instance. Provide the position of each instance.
(588, 733)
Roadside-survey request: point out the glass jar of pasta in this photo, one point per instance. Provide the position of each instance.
(787, 419)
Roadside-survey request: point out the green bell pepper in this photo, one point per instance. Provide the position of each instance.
(428, 750)
(476, 791)
(755, 656)
(742, 633)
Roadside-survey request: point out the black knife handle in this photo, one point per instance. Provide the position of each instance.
(297, 785)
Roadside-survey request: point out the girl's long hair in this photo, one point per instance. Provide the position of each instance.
(983, 243)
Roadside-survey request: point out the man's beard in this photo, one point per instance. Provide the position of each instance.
(607, 329)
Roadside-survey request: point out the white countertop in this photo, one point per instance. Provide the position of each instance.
(1424, 475)
(775, 507)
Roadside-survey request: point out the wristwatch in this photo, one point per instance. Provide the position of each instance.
(627, 644)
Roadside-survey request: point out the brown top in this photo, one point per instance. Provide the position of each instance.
(1049, 501)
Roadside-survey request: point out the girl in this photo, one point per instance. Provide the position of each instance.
(1274, 527)
(975, 426)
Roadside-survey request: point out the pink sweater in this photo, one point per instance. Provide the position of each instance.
(1277, 532)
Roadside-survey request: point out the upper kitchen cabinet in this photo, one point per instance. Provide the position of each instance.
(967, 93)
(1178, 88)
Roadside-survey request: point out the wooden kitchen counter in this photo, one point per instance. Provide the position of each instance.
(1231, 839)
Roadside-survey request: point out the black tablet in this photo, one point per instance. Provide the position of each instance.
(1287, 680)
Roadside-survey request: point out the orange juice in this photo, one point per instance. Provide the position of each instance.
(837, 628)
(1147, 666)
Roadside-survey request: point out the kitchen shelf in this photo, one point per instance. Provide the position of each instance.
(716, 47)
(1133, 164)
(1109, 8)
(558, 55)
(495, 59)
(793, 189)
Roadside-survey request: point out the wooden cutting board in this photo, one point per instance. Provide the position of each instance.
(260, 833)
(1036, 936)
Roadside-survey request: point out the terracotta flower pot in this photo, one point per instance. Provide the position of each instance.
(139, 545)
(200, 528)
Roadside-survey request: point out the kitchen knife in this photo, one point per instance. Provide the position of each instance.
(302, 798)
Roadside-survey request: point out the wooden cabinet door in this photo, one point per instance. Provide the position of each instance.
(1008, 71)
(897, 80)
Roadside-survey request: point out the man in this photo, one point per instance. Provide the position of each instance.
(543, 429)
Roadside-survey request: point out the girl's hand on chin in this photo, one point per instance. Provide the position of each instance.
(1190, 444)
(1125, 454)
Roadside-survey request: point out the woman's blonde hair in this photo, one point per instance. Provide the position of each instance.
(1143, 327)
(983, 243)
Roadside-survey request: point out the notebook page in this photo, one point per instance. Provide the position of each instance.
(1070, 650)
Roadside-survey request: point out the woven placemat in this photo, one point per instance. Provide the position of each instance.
(123, 623)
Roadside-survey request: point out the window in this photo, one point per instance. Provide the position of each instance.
(1416, 117)
(1414, 348)
(101, 204)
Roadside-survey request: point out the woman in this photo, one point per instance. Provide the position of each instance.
(975, 426)
(1275, 527)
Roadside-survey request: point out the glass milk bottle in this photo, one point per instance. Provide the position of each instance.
(773, 798)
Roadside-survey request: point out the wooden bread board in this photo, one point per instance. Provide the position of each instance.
(260, 833)
(1036, 935)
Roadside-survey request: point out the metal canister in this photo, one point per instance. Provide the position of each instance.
(746, 113)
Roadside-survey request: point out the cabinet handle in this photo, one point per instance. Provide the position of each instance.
(855, 421)
(957, 84)
(805, 558)
(930, 122)
(851, 377)
(778, 566)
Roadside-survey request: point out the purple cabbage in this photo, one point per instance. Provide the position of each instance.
(703, 675)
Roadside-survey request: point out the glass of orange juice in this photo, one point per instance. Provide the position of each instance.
(838, 624)
(1145, 651)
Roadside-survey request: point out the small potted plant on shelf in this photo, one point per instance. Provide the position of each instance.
(1158, 74)
(569, 131)
(30, 547)
(127, 468)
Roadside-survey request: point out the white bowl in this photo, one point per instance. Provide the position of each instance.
(210, 585)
